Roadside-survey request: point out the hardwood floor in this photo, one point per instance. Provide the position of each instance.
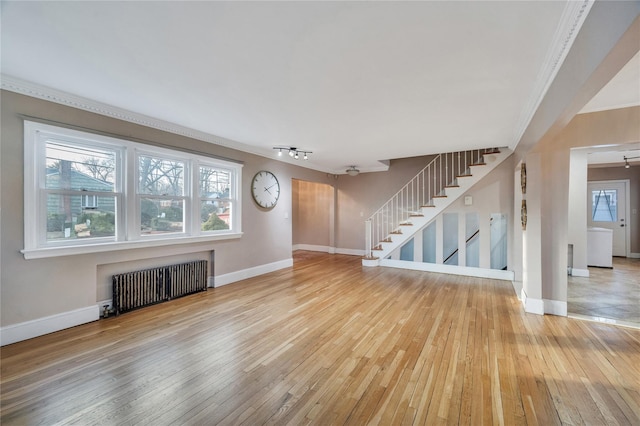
(608, 294)
(329, 342)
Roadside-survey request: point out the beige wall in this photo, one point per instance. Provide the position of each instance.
(312, 213)
(620, 173)
(614, 127)
(360, 196)
(32, 289)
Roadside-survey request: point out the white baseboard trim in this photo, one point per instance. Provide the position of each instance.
(243, 274)
(328, 249)
(350, 252)
(41, 326)
(555, 307)
(532, 306)
(313, 247)
(517, 288)
(579, 272)
(449, 269)
(634, 255)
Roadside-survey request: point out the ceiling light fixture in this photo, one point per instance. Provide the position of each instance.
(352, 171)
(626, 161)
(293, 152)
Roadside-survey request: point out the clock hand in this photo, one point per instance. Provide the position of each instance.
(267, 189)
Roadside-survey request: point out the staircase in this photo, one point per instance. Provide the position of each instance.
(424, 197)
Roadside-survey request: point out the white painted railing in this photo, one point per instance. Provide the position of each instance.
(419, 192)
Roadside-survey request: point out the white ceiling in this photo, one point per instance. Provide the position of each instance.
(355, 82)
(622, 91)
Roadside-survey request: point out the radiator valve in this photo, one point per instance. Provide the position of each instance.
(105, 311)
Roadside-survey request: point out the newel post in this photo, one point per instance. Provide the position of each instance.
(369, 259)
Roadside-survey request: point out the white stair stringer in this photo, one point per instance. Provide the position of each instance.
(418, 223)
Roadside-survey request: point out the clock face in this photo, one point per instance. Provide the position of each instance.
(265, 189)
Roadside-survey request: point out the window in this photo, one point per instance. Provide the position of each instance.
(604, 205)
(161, 195)
(76, 174)
(89, 201)
(216, 203)
(81, 195)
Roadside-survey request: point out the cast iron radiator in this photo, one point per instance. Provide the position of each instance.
(133, 290)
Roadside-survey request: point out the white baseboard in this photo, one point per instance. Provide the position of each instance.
(449, 269)
(579, 272)
(634, 255)
(543, 306)
(531, 305)
(252, 272)
(41, 326)
(555, 307)
(328, 249)
(351, 252)
(313, 247)
(517, 288)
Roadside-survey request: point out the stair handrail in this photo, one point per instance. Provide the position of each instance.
(475, 234)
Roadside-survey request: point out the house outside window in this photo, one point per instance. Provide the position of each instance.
(81, 195)
(89, 201)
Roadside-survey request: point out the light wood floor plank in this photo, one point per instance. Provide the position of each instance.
(329, 342)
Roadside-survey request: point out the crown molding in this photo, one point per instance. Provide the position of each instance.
(571, 20)
(23, 87)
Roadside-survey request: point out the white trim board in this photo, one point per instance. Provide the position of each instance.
(531, 305)
(244, 274)
(579, 272)
(543, 306)
(449, 269)
(328, 249)
(41, 326)
(313, 247)
(555, 307)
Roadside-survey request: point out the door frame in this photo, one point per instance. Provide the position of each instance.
(627, 213)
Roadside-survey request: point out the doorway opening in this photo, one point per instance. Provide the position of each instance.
(313, 207)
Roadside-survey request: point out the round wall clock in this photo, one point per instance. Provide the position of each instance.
(265, 189)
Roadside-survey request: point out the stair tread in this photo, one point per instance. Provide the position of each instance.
(439, 196)
(452, 186)
(478, 164)
(406, 224)
(416, 215)
(428, 206)
(396, 232)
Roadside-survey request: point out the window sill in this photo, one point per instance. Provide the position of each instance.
(41, 253)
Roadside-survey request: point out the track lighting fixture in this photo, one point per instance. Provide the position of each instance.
(293, 152)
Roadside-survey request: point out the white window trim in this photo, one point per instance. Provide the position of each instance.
(128, 226)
